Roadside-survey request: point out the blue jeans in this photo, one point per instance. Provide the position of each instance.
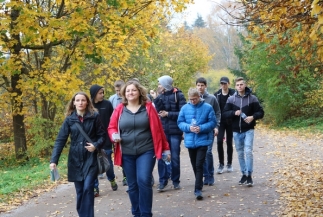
(244, 146)
(85, 198)
(208, 165)
(139, 170)
(110, 173)
(174, 142)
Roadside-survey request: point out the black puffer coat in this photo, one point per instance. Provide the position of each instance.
(80, 161)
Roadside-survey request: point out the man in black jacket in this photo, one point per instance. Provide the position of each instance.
(225, 126)
(105, 110)
(244, 109)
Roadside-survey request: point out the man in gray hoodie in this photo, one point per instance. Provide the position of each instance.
(208, 167)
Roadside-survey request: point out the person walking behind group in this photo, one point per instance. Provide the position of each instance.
(208, 167)
(82, 166)
(244, 109)
(105, 110)
(225, 129)
(168, 104)
(197, 120)
(116, 99)
(139, 139)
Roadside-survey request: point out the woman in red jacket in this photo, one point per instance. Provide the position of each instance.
(139, 139)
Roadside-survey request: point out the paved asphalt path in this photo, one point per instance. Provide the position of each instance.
(225, 198)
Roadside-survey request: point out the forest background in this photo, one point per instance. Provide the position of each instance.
(49, 50)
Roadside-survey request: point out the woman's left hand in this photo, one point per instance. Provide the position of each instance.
(90, 147)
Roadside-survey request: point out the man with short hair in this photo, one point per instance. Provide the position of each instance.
(105, 110)
(116, 99)
(222, 96)
(244, 109)
(208, 166)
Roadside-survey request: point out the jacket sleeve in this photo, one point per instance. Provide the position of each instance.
(210, 123)
(181, 122)
(100, 133)
(158, 102)
(60, 142)
(228, 111)
(113, 125)
(217, 110)
(259, 111)
(182, 101)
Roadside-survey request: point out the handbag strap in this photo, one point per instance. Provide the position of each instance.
(83, 133)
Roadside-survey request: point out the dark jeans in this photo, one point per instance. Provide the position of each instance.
(174, 142)
(225, 128)
(197, 156)
(110, 173)
(208, 166)
(85, 197)
(139, 170)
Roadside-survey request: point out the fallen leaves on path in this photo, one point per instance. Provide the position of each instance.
(298, 172)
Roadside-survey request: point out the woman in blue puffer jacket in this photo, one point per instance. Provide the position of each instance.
(197, 120)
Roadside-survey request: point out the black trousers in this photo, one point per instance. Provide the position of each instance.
(225, 129)
(197, 157)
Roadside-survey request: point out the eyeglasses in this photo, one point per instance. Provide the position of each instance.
(222, 83)
(194, 99)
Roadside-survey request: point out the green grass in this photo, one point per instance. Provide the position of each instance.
(31, 175)
(313, 124)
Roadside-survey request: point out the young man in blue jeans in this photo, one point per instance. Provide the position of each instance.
(244, 109)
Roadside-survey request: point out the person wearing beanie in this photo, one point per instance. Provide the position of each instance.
(168, 104)
(105, 110)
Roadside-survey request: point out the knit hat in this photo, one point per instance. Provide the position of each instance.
(166, 81)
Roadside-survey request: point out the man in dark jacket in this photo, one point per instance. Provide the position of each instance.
(105, 110)
(244, 109)
(168, 104)
(225, 126)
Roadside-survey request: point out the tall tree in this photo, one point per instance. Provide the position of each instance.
(51, 43)
(199, 22)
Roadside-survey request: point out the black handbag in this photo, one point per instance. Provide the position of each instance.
(102, 157)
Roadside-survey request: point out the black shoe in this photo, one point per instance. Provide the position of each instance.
(96, 192)
(124, 181)
(243, 180)
(249, 181)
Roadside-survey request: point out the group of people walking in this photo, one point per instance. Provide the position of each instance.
(142, 127)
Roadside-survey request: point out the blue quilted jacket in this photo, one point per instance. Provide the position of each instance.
(206, 120)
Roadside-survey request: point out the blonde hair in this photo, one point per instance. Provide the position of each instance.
(142, 90)
(193, 92)
(70, 108)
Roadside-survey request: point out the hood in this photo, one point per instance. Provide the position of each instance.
(166, 81)
(94, 89)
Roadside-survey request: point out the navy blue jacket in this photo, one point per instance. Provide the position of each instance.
(171, 101)
(81, 162)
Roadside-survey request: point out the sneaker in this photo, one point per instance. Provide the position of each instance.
(124, 181)
(177, 187)
(198, 195)
(229, 168)
(101, 176)
(161, 187)
(249, 181)
(220, 169)
(114, 185)
(211, 181)
(96, 192)
(243, 180)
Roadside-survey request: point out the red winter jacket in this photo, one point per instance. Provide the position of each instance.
(159, 139)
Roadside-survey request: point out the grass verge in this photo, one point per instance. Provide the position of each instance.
(20, 182)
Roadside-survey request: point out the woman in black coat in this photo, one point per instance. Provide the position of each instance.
(82, 157)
